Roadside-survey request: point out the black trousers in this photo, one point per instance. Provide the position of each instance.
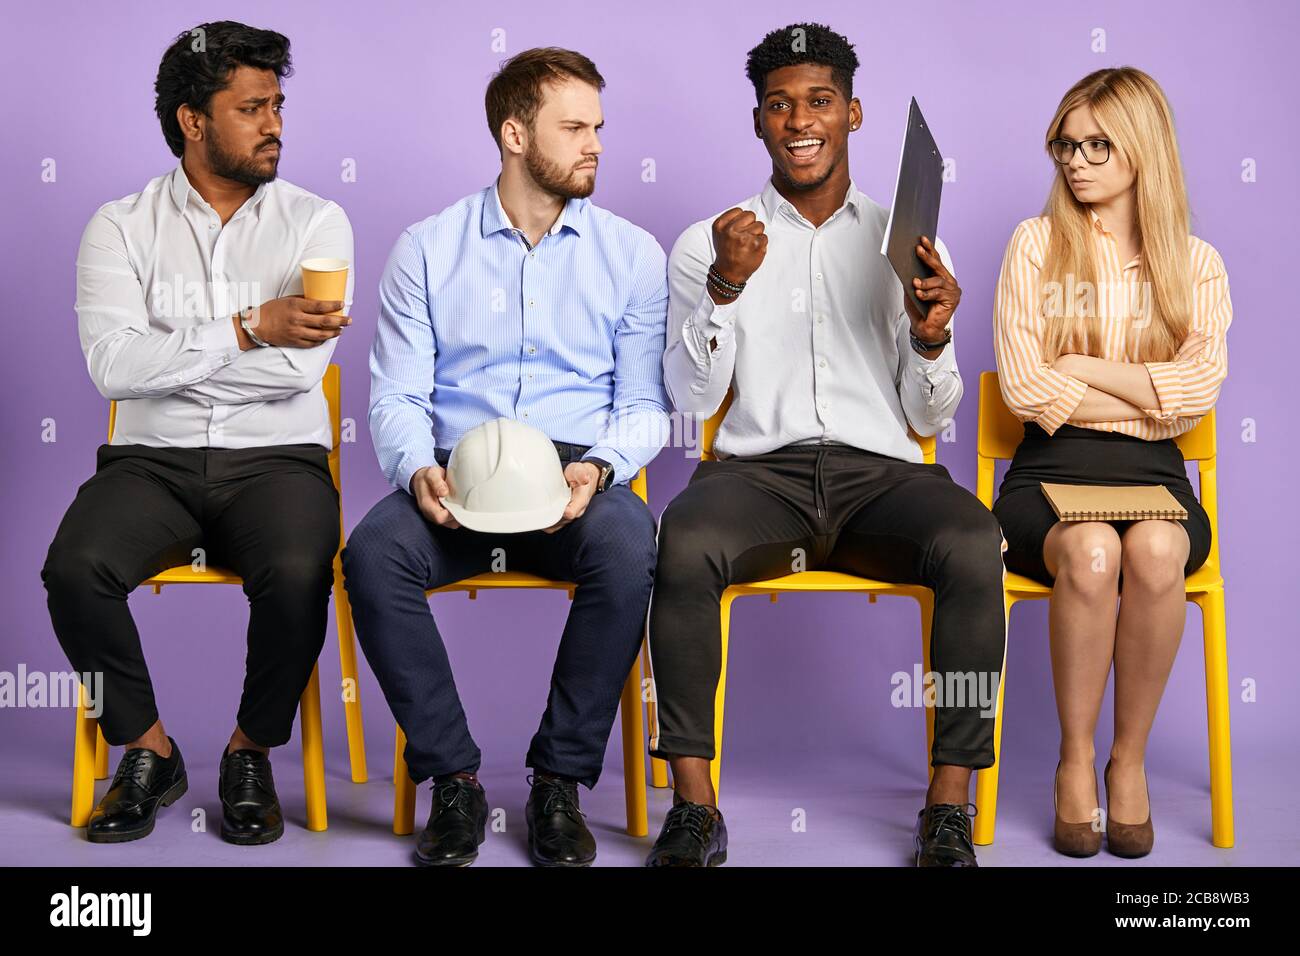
(269, 514)
(748, 518)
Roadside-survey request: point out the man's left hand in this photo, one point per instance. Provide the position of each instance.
(940, 291)
(582, 477)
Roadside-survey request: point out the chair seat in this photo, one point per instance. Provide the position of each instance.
(1204, 578)
(504, 579)
(187, 575)
(822, 581)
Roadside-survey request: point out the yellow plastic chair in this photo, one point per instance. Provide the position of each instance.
(805, 581)
(1000, 432)
(90, 751)
(629, 705)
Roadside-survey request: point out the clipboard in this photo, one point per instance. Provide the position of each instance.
(915, 209)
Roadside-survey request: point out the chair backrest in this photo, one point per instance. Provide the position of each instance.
(709, 431)
(330, 385)
(1000, 433)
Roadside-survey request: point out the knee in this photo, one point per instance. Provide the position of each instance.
(618, 542)
(972, 546)
(688, 550)
(70, 570)
(379, 548)
(294, 576)
(1089, 560)
(1153, 558)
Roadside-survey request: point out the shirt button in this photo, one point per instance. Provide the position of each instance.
(819, 275)
(826, 404)
(530, 376)
(821, 319)
(525, 414)
(532, 349)
(532, 255)
(821, 364)
(531, 302)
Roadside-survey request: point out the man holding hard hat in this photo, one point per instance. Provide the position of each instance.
(516, 389)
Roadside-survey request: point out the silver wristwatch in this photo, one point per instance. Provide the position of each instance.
(244, 316)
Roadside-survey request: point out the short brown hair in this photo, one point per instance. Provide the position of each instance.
(517, 88)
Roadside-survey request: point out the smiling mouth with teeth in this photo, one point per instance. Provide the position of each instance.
(804, 148)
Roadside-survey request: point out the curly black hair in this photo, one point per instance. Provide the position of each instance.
(199, 62)
(802, 43)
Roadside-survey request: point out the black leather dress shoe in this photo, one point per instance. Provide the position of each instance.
(691, 836)
(250, 810)
(144, 782)
(457, 824)
(943, 836)
(557, 832)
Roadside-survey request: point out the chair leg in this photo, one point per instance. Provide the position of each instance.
(719, 699)
(351, 681)
(986, 780)
(1214, 630)
(403, 789)
(83, 764)
(634, 753)
(313, 753)
(926, 603)
(101, 754)
(658, 766)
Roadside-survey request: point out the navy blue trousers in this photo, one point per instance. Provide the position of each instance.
(394, 556)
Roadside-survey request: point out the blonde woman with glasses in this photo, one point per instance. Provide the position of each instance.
(1110, 322)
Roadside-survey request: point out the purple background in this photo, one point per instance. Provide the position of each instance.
(399, 88)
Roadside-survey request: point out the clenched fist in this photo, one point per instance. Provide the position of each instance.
(739, 245)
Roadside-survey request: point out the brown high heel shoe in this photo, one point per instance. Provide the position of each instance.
(1073, 839)
(1130, 840)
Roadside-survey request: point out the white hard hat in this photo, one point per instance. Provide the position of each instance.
(505, 477)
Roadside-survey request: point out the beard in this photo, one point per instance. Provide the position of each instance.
(549, 176)
(248, 170)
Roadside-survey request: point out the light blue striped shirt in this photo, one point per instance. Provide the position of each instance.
(567, 336)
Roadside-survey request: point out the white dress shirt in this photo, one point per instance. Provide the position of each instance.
(816, 348)
(158, 279)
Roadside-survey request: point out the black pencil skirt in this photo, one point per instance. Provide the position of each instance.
(1086, 456)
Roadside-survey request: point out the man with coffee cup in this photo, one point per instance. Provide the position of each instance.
(192, 318)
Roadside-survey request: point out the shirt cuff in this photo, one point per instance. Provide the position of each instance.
(1168, 383)
(710, 318)
(219, 336)
(1059, 412)
(624, 470)
(406, 469)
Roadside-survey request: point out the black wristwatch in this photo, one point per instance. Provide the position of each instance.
(606, 473)
(920, 346)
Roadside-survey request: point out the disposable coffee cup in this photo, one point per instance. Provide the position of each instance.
(325, 280)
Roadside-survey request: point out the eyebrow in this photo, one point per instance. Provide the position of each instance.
(811, 89)
(579, 122)
(259, 100)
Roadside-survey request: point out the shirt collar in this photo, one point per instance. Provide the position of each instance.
(572, 216)
(773, 201)
(1096, 220)
(181, 189)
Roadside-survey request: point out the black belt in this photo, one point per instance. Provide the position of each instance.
(568, 451)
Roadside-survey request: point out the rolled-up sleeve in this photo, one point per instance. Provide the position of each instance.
(1189, 389)
(1031, 388)
(126, 358)
(697, 374)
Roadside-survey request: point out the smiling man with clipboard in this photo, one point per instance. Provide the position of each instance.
(787, 302)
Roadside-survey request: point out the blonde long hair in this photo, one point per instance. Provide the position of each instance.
(1132, 112)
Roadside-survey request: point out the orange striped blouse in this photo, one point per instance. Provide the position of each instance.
(1034, 391)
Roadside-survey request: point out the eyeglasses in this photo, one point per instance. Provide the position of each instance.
(1095, 151)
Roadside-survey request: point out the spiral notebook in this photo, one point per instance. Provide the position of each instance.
(1113, 502)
